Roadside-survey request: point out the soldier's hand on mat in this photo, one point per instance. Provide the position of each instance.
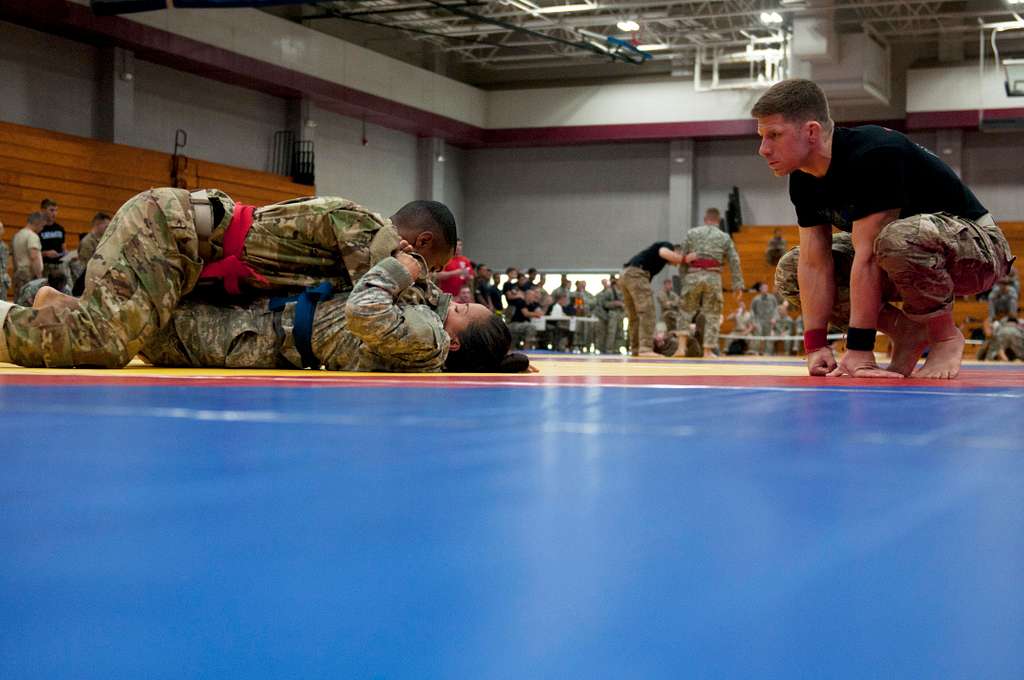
(858, 364)
(821, 361)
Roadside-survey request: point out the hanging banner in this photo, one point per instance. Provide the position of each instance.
(111, 7)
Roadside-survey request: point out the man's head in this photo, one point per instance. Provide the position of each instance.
(100, 222)
(605, 284)
(581, 285)
(712, 217)
(458, 247)
(762, 287)
(512, 273)
(667, 285)
(465, 295)
(56, 279)
(36, 221)
(793, 122)
(430, 229)
(48, 207)
(531, 273)
(483, 272)
(532, 295)
(565, 282)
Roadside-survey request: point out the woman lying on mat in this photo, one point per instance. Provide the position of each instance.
(392, 320)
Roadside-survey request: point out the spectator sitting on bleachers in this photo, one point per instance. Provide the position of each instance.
(776, 248)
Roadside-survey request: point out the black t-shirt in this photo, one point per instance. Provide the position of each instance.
(52, 238)
(486, 291)
(518, 306)
(648, 258)
(875, 169)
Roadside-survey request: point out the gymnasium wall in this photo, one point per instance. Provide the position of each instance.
(565, 207)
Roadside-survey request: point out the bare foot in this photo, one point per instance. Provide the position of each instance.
(943, 362)
(908, 338)
(47, 296)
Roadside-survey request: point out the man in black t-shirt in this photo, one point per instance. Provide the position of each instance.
(51, 238)
(638, 298)
(917, 233)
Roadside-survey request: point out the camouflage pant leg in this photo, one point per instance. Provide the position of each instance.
(21, 277)
(614, 336)
(787, 284)
(639, 300)
(702, 292)
(147, 260)
(931, 258)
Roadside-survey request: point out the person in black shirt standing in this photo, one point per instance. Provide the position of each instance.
(637, 295)
(916, 233)
(51, 237)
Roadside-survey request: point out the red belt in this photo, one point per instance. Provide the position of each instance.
(705, 263)
(232, 268)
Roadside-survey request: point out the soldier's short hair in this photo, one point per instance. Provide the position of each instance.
(100, 217)
(713, 211)
(435, 213)
(797, 100)
(47, 203)
(36, 218)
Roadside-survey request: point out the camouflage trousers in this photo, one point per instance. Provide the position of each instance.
(639, 302)
(927, 260)
(702, 292)
(148, 259)
(609, 333)
(1007, 339)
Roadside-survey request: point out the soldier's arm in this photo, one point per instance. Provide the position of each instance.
(410, 341)
(734, 266)
(36, 262)
(364, 239)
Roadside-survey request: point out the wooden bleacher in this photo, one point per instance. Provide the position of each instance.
(86, 176)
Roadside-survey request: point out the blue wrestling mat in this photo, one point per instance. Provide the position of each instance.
(511, 527)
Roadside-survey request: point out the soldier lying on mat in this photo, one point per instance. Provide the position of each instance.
(391, 321)
(375, 327)
(163, 241)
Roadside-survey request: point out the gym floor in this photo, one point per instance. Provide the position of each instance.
(604, 518)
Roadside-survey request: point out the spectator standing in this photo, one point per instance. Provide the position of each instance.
(763, 310)
(51, 237)
(564, 286)
(27, 248)
(87, 246)
(457, 273)
(485, 292)
(609, 310)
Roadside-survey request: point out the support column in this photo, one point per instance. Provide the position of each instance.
(115, 116)
(681, 189)
(430, 152)
(302, 119)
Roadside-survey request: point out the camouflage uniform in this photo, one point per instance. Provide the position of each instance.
(702, 287)
(775, 250)
(927, 259)
(1006, 338)
(783, 324)
(149, 258)
(386, 323)
(585, 331)
(763, 308)
(636, 295)
(609, 325)
(87, 248)
(5, 278)
(27, 294)
(1002, 301)
(669, 303)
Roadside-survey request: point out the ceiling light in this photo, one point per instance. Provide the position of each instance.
(628, 25)
(769, 18)
(651, 48)
(558, 9)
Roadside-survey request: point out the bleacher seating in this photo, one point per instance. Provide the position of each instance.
(85, 176)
